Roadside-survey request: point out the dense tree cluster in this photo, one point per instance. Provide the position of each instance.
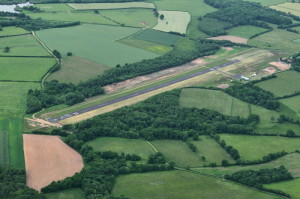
(13, 185)
(296, 62)
(24, 21)
(258, 178)
(58, 93)
(253, 95)
(232, 13)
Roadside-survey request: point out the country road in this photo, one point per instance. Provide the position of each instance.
(110, 102)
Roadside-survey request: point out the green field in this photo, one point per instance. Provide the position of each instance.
(95, 43)
(277, 39)
(108, 6)
(214, 100)
(179, 152)
(55, 7)
(293, 103)
(25, 68)
(180, 184)
(286, 83)
(83, 17)
(66, 194)
(269, 2)
(157, 37)
(290, 161)
(256, 147)
(72, 70)
(132, 17)
(291, 187)
(128, 146)
(293, 8)
(153, 47)
(25, 45)
(245, 31)
(12, 30)
(4, 152)
(173, 21)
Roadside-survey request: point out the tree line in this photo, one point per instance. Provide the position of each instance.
(55, 92)
(233, 13)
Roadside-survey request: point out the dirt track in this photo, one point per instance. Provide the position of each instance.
(48, 159)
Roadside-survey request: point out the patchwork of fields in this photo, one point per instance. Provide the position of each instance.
(95, 43)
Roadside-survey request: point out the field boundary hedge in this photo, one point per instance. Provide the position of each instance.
(15, 35)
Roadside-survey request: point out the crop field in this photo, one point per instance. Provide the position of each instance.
(173, 21)
(157, 37)
(291, 187)
(255, 147)
(290, 162)
(66, 194)
(286, 83)
(277, 39)
(83, 17)
(128, 146)
(214, 100)
(180, 184)
(293, 103)
(153, 47)
(293, 8)
(25, 45)
(269, 2)
(8, 31)
(132, 17)
(108, 6)
(4, 153)
(99, 40)
(245, 31)
(71, 70)
(24, 69)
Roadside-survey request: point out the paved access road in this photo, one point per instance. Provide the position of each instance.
(57, 119)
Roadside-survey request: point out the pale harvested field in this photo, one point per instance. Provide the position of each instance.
(107, 6)
(293, 8)
(281, 65)
(231, 38)
(174, 21)
(139, 98)
(48, 159)
(270, 70)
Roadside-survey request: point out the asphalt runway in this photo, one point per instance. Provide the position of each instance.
(57, 119)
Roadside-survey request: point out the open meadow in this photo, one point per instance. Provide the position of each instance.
(256, 147)
(286, 83)
(181, 184)
(108, 6)
(127, 146)
(75, 193)
(95, 43)
(25, 45)
(173, 21)
(293, 8)
(293, 103)
(71, 70)
(11, 30)
(290, 162)
(245, 31)
(25, 68)
(291, 187)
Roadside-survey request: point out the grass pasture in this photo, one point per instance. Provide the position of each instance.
(173, 21)
(293, 103)
(153, 47)
(108, 6)
(72, 70)
(286, 83)
(214, 100)
(25, 45)
(269, 2)
(128, 146)
(290, 161)
(99, 40)
(55, 7)
(291, 187)
(132, 17)
(293, 8)
(180, 184)
(255, 147)
(66, 194)
(12, 30)
(157, 37)
(4, 153)
(25, 68)
(245, 31)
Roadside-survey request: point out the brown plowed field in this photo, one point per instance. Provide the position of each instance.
(48, 159)
(231, 38)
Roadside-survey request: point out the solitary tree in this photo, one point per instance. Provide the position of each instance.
(162, 17)
(6, 49)
(69, 53)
